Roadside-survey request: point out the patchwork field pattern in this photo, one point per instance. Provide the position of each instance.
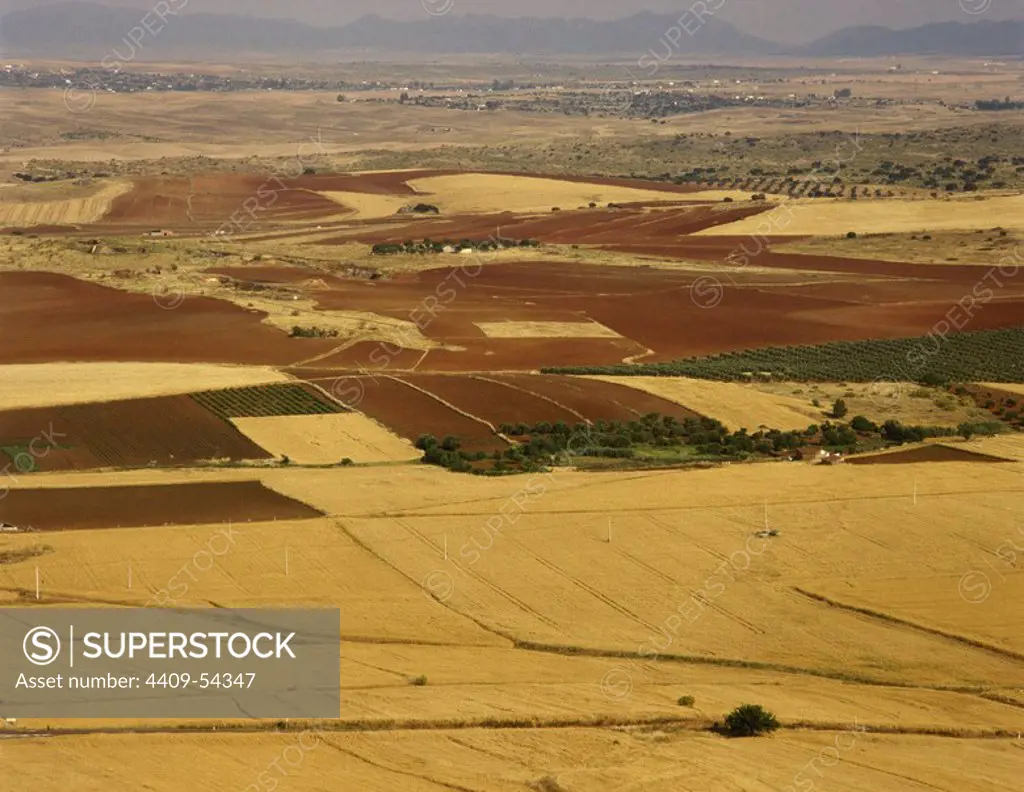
(165, 431)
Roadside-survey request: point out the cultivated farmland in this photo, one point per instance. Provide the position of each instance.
(266, 401)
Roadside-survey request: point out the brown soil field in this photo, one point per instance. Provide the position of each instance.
(46, 317)
(654, 309)
(86, 508)
(206, 203)
(492, 401)
(595, 399)
(406, 411)
(933, 452)
(170, 430)
(494, 398)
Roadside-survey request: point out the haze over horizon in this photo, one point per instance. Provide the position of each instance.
(788, 21)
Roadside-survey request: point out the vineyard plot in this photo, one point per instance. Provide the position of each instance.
(266, 401)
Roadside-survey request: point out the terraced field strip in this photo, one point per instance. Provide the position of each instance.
(267, 401)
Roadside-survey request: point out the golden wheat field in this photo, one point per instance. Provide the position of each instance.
(590, 760)
(327, 439)
(53, 384)
(811, 217)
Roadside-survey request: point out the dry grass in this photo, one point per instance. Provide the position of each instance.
(480, 192)
(367, 206)
(327, 439)
(906, 402)
(25, 208)
(52, 384)
(582, 760)
(983, 248)
(733, 404)
(791, 405)
(546, 330)
(817, 217)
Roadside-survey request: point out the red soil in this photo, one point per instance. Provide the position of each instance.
(492, 401)
(594, 399)
(170, 430)
(496, 398)
(407, 411)
(206, 203)
(82, 508)
(927, 453)
(46, 317)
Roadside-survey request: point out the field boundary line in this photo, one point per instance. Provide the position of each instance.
(725, 662)
(526, 722)
(408, 773)
(512, 386)
(450, 406)
(971, 642)
(418, 584)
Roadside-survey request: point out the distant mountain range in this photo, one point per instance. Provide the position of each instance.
(76, 31)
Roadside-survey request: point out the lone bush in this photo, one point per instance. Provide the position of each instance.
(749, 720)
(686, 701)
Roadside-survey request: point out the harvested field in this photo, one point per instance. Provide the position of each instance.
(488, 760)
(545, 330)
(46, 317)
(813, 217)
(267, 401)
(169, 430)
(466, 193)
(52, 384)
(327, 439)
(734, 405)
(1014, 388)
(86, 508)
(933, 452)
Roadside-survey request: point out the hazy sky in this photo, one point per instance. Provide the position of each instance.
(783, 20)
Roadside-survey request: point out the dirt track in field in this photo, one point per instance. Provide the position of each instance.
(83, 508)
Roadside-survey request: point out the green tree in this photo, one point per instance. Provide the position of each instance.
(750, 720)
(839, 409)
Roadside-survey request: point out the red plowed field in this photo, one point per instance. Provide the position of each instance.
(407, 411)
(205, 203)
(595, 399)
(170, 430)
(928, 453)
(492, 401)
(46, 317)
(75, 509)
